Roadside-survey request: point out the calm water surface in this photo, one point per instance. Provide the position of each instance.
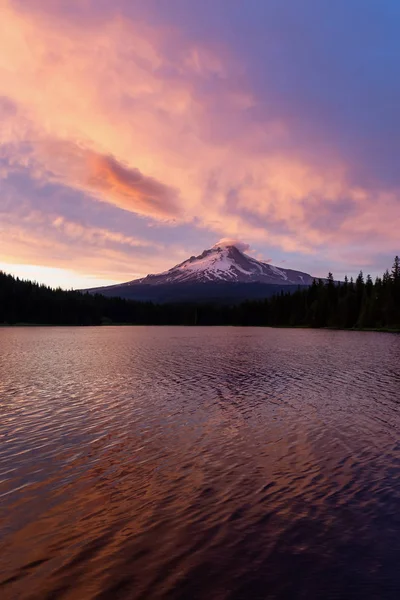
(215, 463)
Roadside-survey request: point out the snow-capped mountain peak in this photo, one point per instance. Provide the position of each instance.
(225, 263)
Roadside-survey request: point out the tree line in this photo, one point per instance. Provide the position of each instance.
(363, 304)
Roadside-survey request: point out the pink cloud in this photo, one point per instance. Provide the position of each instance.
(242, 246)
(130, 188)
(143, 118)
(106, 178)
(53, 241)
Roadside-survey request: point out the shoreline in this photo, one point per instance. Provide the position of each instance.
(353, 329)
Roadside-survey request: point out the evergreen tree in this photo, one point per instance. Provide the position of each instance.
(323, 304)
(396, 269)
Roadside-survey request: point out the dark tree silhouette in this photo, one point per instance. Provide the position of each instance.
(346, 305)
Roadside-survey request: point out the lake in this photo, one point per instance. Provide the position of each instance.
(210, 463)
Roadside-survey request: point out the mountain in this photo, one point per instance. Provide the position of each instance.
(226, 264)
(219, 273)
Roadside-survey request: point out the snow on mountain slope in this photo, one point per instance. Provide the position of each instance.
(225, 263)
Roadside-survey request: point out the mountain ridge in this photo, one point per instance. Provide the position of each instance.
(220, 272)
(225, 263)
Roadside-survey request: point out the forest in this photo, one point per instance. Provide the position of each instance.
(359, 304)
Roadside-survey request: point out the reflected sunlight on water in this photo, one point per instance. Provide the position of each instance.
(199, 463)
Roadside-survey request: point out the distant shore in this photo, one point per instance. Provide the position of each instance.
(354, 329)
(352, 306)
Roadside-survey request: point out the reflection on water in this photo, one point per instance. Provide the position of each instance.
(199, 463)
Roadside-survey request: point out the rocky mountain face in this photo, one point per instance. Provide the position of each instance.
(203, 276)
(226, 264)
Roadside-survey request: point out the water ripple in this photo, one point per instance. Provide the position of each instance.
(219, 463)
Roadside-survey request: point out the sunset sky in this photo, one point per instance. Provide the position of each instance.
(136, 133)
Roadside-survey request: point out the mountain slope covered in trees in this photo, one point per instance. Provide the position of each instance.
(352, 304)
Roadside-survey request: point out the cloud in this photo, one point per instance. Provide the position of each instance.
(130, 188)
(242, 246)
(54, 241)
(181, 115)
(104, 177)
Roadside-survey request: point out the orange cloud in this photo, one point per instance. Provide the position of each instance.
(130, 188)
(105, 178)
(142, 118)
(54, 241)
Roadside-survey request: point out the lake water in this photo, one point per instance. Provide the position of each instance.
(212, 463)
